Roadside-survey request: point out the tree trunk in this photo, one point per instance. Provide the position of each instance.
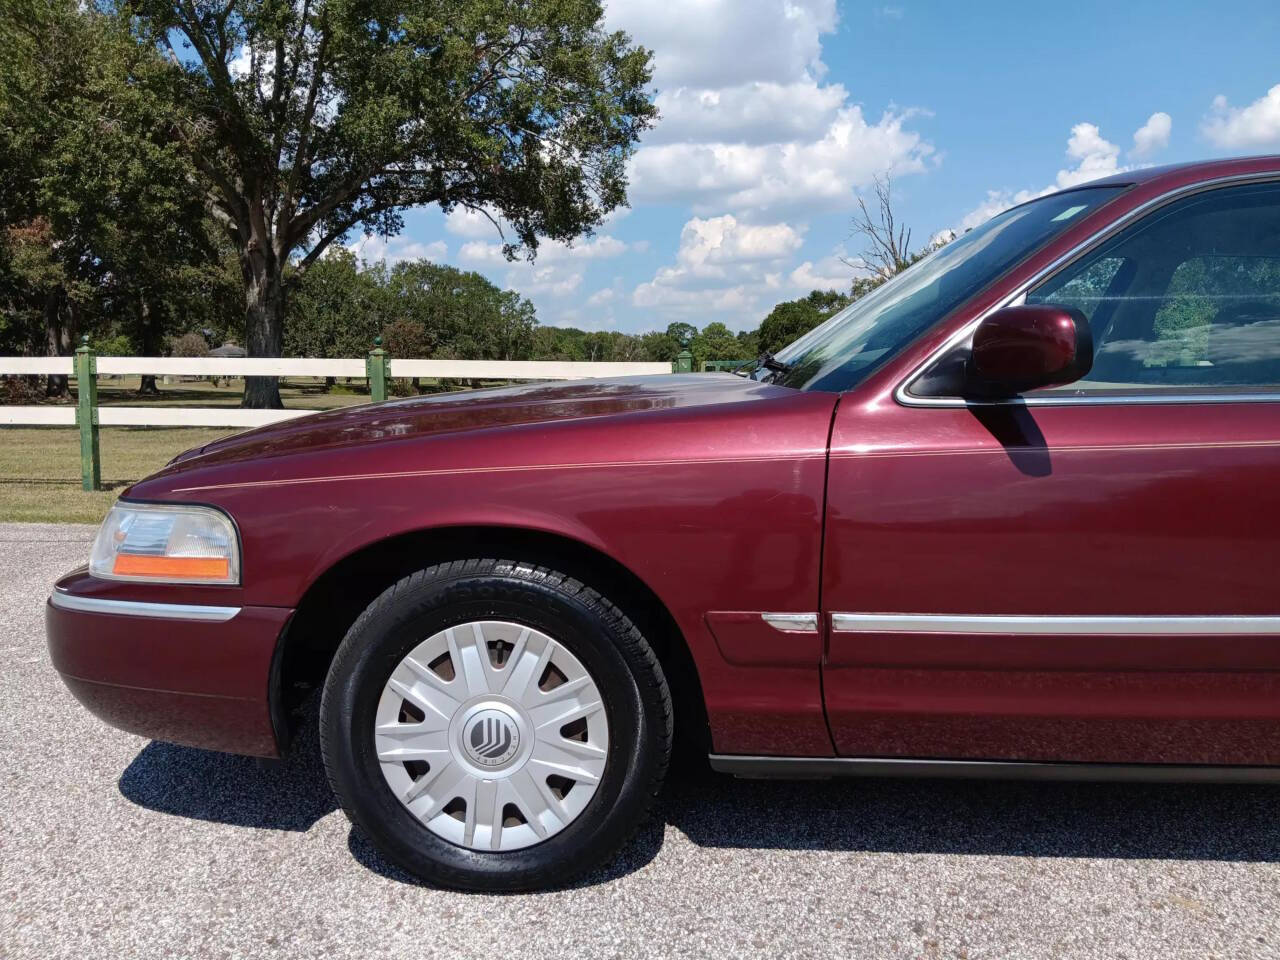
(150, 345)
(264, 322)
(57, 330)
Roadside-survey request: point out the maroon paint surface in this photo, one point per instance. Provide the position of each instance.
(707, 487)
(198, 683)
(1125, 509)
(711, 489)
(1036, 343)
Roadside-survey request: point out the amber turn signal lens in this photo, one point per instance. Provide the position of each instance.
(177, 568)
(166, 543)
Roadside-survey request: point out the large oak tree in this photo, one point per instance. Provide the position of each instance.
(310, 119)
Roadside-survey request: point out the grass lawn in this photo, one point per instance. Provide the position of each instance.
(297, 394)
(40, 468)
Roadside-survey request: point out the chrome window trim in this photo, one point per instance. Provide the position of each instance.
(792, 622)
(138, 608)
(1052, 625)
(810, 767)
(902, 392)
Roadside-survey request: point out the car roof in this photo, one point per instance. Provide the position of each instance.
(1196, 170)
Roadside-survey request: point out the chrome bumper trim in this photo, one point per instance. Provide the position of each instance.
(137, 608)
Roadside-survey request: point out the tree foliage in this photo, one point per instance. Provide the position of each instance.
(792, 319)
(100, 228)
(308, 119)
(420, 309)
(715, 341)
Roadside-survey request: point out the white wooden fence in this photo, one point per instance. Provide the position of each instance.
(154, 415)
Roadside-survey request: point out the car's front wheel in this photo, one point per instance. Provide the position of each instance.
(495, 725)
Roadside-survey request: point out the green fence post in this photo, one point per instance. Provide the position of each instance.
(683, 362)
(86, 369)
(375, 368)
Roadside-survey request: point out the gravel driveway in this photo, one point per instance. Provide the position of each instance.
(113, 846)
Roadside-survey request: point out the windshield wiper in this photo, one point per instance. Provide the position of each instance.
(770, 362)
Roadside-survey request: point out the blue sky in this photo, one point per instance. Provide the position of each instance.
(777, 112)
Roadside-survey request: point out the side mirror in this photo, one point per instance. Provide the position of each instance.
(1021, 348)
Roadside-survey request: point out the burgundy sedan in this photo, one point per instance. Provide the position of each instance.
(1015, 513)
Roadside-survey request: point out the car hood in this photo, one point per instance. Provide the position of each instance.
(421, 417)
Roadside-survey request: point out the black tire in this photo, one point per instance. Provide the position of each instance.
(636, 700)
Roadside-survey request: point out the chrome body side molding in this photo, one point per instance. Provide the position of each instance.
(999, 624)
(792, 622)
(137, 608)
(803, 768)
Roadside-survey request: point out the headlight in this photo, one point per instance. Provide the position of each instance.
(166, 543)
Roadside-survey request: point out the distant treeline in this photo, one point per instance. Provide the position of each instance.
(423, 309)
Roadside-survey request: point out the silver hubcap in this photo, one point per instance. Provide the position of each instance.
(492, 734)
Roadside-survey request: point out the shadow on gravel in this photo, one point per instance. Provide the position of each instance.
(644, 846)
(289, 794)
(1144, 821)
(1168, 821)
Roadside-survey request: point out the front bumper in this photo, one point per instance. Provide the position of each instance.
(167, 671)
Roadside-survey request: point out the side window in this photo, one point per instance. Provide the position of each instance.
(1185, 301)
(1087, 289)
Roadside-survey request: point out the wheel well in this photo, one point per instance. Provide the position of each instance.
(334, 601)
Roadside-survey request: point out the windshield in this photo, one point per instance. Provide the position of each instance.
(840, 352)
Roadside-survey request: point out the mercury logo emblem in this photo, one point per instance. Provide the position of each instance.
(492, 738)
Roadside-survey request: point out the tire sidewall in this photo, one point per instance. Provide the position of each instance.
(389, 631)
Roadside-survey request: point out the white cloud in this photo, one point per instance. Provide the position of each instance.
(741, 302)
(724, 43)
(395, 249)
(1256, 125)
(753, 113)
(723, 240)
(1152, 135)
(829, 273)
(780, 177)
(546, 280)
(477, 251)
(747, 123)
(601, 297)
(472, 224)
(239, 65)
(1095, 156)
(599, 247)
(488, 224)
(997, 202)
(724, 269)
(558, 271)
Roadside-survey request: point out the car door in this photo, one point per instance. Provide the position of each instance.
(1089, 573)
